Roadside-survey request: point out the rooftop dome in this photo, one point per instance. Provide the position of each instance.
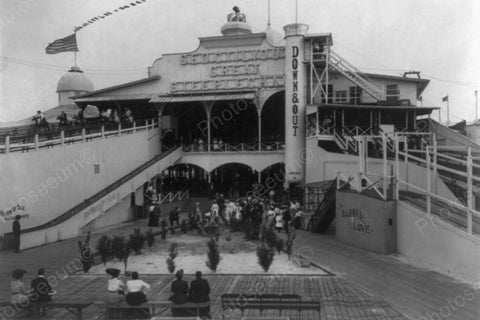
(74, 80)
(237, 24)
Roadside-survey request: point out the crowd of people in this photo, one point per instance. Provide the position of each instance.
(282, 217)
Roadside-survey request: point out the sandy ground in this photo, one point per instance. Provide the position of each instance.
(237, 257)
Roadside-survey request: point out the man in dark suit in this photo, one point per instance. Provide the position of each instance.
(199, 292)
(16, 233)
(180, 295)
(41, 289)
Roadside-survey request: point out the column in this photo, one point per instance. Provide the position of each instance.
(259, 132)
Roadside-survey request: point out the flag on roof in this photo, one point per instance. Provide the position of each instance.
(445, 98)
(63, 45)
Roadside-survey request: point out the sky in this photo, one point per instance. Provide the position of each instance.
(439, 38)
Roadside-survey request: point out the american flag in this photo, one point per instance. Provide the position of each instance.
(63, 45)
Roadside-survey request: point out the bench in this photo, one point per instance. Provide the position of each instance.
(71, 306)
(149, 308)
(263, 302)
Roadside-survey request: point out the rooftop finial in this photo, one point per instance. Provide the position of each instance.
(237, 15)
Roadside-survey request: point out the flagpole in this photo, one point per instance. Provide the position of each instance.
(476, 106)
(75, 52)
(268, 24)
(448, 110)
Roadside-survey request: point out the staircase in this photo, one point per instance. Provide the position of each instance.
(325, 213)
(355, 75)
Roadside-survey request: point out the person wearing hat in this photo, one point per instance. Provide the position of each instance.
(136, 290)
(199, 292)
(180, 294)
(278, 220)
(18, 289)
(40, 288)
(16, 229)
(115, 286)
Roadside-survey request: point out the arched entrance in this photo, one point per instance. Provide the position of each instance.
(233, 180)
(234, 121)
(273, 118)
(183, 177)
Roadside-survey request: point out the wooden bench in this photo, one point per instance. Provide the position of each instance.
(71, 306)
(263, 302)
(150, 308)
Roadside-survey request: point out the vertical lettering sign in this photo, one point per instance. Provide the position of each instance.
(295, 99)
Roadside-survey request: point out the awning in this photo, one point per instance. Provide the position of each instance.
(126, 97)
(204, 97)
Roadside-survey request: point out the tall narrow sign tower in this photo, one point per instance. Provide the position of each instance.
(295, 100)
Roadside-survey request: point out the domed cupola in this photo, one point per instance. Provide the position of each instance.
(73, 83)
(237, 24)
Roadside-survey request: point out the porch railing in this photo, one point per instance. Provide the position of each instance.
(33, 139)
(173, 196)
(235, 147)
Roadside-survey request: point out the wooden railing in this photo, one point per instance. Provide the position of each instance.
(36, 138)
(237, 147)
(173, 196)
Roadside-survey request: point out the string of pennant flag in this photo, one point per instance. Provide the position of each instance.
(109, 13)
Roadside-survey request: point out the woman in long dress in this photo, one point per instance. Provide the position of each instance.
(18, 289)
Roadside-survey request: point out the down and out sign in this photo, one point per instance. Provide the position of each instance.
(295, 100)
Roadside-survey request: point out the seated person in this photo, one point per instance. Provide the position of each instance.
(180, 292)
(135, 290)
(41, 289)
(18, 289)
(115, 286)
(199, 292)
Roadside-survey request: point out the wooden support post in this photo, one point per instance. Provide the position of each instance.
(83, 135)
(36, 141)
(62, 137)
(429, 182)
(103, 131)
(7, 144)
(469, 189)
(397, 168)
(385, 169)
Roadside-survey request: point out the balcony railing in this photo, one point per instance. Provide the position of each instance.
(237, 147)
(28, 138)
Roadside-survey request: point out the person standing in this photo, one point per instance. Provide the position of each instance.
(199, 292)
(16, 228)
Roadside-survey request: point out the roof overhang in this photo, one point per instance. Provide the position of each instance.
(419, 110)
(125, 97)
(204, 96)
(121, 86)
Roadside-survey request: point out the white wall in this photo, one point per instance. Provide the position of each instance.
(436, 244)
(49, 182)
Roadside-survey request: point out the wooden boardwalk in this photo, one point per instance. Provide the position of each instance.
(339, 299)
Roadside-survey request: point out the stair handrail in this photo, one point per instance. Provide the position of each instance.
(99, 195)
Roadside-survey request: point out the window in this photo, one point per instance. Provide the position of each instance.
(393, 94)
(341, 96)
(355, 95)
(96, 168)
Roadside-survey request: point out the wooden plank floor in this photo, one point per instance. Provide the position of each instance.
(339, 299)
(366, 285)
(418, 293)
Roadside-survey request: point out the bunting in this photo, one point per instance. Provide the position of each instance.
(109, 13)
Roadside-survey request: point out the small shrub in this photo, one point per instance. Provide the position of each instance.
(150, 238)
(172, 254)
(121, 249)
(164, 223)
(279, 245)
(269, 236)
(104, 248)
(171, 265)
(184, 226)
(289, 246)
(163, 234)
(137, 240)
(265, 256)
(213, 255)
